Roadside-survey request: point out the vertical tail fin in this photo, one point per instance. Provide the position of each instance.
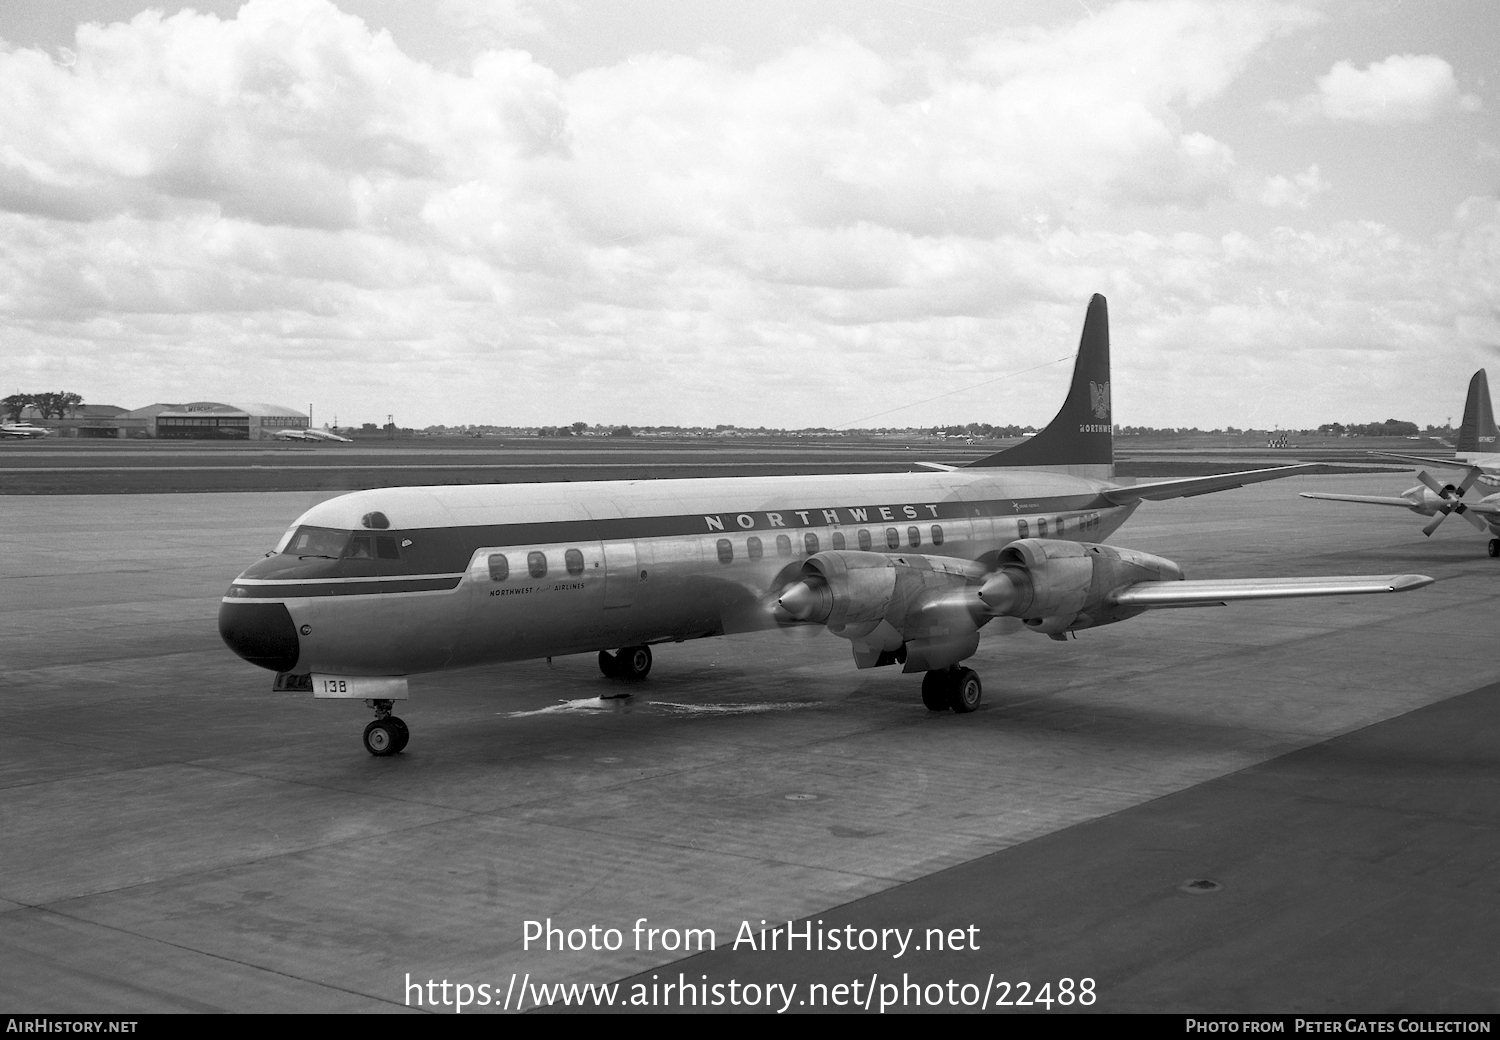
(1080, 438)
(1478, 435)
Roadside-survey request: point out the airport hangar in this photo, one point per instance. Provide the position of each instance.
(196, 420)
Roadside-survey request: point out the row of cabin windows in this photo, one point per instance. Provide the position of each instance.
(536, 564)
(755, 549)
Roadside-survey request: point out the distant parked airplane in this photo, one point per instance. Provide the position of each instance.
(1477, 453)
(23, 429)
(309, 435)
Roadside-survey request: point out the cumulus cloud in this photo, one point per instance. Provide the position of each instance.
(1404, 88)
(286, 205)
(1296, 192)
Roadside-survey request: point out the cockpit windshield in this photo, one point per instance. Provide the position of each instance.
(317, 541)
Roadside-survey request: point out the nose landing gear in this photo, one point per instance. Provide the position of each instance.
(387, 735)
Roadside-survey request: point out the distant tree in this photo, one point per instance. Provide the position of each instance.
(56, 404)
(15, 404)
(579, 427)
(622, 431)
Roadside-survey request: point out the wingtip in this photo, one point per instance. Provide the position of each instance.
(1407, 582)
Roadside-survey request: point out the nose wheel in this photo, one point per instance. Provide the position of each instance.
(387, 735)
(1494, 547)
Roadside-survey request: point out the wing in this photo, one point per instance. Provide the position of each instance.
(1425, 461)
(1369, 500)
(1189, 486)
(1215, 593)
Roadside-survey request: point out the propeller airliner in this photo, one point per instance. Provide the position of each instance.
(1477, 453)
(369, 588)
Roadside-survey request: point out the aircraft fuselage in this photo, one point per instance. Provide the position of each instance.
(404, 580)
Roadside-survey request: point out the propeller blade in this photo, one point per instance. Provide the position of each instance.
(1437, 489)
(1469, 478)
(1468, 514)
(1433, 524)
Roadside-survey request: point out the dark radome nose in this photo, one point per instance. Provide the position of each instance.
(261, 633)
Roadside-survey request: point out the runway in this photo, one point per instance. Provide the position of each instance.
(178, 838)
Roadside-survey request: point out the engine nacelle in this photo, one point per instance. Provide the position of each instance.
(910, 607)
(1057, 586)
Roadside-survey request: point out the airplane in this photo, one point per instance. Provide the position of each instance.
(369, 588)
(293, 434)
(23, 429)
(1477, 453)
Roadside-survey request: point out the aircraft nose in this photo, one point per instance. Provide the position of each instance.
(261, 633)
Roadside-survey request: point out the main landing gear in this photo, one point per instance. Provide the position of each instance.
(632, 663)
(951, 689)
(387, 735)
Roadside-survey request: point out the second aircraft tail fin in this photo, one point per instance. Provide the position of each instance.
(1478, 435)
(1080, 438)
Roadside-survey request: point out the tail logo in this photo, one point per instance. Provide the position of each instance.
(1099, 398)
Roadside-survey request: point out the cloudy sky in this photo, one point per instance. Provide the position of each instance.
(783, 213)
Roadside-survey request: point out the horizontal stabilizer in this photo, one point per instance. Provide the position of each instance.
(1369, 500)
(940, 467)
(1425, 461)
(1187, 487)
(1152, 594)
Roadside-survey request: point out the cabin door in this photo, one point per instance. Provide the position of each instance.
(620, 577)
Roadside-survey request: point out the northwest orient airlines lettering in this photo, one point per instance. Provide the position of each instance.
(823, 517)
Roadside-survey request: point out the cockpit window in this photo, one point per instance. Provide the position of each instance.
(317, 541)
(360, 548)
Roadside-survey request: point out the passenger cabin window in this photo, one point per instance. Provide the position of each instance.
(892, 538)
(838, 539)
(573, 560)
(1041, 527)
(499, 567)
(1023, 529)
(726, 550)
(536, 564)
(753, 548)
(1060, 525)
(783, 545)
(937, 535)
(864, 540)
(914, 536)
(810, 542)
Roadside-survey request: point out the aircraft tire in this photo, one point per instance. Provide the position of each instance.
(1494, 547)
(403, 735)
(381, 738)
(634, 663)
(937, 690)
(967, 691)
(609, 664)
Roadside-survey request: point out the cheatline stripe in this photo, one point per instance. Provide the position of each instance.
(427, 551)
(301, 589)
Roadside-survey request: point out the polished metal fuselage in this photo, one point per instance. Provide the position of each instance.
(634, 562)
